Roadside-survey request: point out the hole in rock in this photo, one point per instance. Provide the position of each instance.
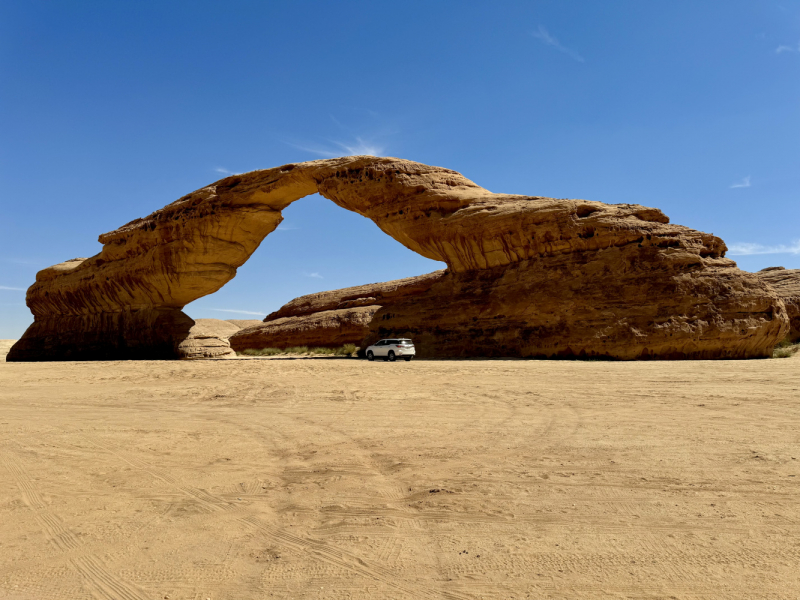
(585, 211)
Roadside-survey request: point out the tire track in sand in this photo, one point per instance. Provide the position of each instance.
(96, 576)
(103, 584)
(319, 550)
(346, 560)
(209, 501)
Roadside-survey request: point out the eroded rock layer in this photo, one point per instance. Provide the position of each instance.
(208, 338)
(330, 319)
(326, 329)
(527, 276)
(786, 282)
(535, 310)
(360, 295)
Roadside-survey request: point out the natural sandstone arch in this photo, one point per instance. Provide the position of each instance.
(527, 276)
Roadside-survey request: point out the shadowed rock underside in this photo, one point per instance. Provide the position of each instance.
(526, 276)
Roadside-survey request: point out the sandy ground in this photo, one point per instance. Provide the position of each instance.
(337, 478)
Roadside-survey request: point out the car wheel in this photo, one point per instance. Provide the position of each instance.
(370, 355)
(391, 355)
(408, 358)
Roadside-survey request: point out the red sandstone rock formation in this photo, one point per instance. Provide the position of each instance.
(330, 319)
(786, 282)
(326, 329)
(208, 338)
(527, 276)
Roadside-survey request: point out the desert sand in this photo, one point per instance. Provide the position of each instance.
(343, 479)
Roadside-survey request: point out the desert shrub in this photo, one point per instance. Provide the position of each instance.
(322, 351)
(346, 350)
(260, 352)
(785, 351)
(296, 350)
(270, 351)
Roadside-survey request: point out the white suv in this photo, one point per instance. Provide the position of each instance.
(392, 349)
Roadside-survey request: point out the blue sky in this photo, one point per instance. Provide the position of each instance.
(110, 110)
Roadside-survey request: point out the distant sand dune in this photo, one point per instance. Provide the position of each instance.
(5, 346)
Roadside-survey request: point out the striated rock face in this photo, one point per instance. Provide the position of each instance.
(208, 338)
(327, 328)
(330, 319)
(144, 334)
(530, 309)
(786, 282)
(527, 276)
(360, 295)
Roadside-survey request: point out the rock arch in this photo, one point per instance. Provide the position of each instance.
(527, 275)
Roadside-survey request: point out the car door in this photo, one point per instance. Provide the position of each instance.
(378, 348)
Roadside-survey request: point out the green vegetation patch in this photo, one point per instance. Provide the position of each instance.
(786, 349)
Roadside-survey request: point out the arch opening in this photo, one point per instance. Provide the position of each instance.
(319, 246)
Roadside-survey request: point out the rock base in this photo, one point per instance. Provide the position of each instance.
(149, 334)
(786, 282)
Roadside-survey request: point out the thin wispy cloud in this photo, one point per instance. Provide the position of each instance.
(239, 312)
(783, 48)
(225, 171)
(747, 249)
(548, 39)
(21, 261)
(11, 289)
(334, 148)
(286, 228)
(314, 275)
(364, 132)
(744, 183)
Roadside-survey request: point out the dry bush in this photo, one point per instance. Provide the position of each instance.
(260, 352)
(270, 351)
(785, 349)
(296, 350)
(346, 350)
